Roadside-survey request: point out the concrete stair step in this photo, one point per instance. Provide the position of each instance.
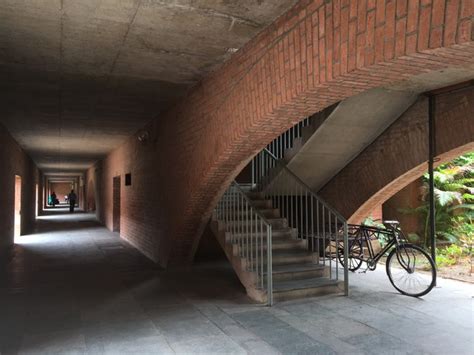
(255, 195)
(292, 289)
(277, 233)
(262, 203)
(257, 203)
(283, 257)
(286, 245)
(277, 223)
(298, 271)
(266, 212)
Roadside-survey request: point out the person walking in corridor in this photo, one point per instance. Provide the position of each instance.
(72, 201)
(53, 199)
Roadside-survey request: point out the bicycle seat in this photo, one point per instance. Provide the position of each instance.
(392, 224)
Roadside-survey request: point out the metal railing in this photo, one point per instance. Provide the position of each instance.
(319, 224)
(248, 230)
(287, 139)
(278, 147)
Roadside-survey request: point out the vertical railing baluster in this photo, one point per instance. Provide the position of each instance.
(257, 266)
(301, 211)
(261, 250)
(269, 266)
(337, 247)
(346, 260)
(324, 234)
(312, 226)
(247, 230)
(306, 216)
(318, 226)
(330, 244)
(251, 238)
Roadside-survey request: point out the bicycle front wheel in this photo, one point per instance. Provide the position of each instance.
(411, 270)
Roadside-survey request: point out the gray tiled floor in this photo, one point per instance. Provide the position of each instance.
(74, 288)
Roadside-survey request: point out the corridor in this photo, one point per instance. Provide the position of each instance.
(74, 287)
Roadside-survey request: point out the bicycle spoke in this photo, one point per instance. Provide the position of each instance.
(411, 270)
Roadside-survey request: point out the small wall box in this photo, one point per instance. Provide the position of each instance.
(128, 179)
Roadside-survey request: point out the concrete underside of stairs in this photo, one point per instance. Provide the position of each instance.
(75, 287)
(356, 122)
(351, 127)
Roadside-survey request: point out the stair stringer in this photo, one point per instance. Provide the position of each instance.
(238, 264)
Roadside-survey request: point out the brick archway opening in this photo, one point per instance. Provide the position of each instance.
(404, 180)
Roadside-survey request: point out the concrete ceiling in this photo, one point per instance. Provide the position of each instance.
(79, 76)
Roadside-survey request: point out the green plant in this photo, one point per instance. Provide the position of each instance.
(454, 197)
(449, 256)
(443, 260)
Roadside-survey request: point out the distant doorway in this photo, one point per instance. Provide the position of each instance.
(116, 204)
(36, 200)
(17, 223)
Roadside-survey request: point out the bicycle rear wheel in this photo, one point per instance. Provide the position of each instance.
(355, 254)
(411, 270)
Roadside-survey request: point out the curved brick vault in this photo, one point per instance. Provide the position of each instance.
(399, 156)
(318, 53)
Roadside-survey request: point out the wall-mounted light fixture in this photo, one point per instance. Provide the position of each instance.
(143, 136)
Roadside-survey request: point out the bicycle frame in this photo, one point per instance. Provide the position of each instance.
(395, 238)
(408, 262)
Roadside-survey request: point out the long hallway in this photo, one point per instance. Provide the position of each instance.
(74, 288)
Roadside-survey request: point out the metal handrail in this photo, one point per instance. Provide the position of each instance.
(315, 220)
(233, 210)
(296, 177)
(249, 201)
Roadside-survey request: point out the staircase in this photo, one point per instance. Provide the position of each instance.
(279, 212)
(250, 223)
(330, 139)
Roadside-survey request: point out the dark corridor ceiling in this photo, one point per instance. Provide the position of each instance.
(78, 77)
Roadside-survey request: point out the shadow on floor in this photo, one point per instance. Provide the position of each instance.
(84, 290)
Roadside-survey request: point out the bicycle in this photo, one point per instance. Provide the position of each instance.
(410, 269)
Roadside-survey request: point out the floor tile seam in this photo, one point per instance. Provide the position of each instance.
(388, 310)
(160, 332)
(377, 330)
(216, 325)
(249, 329)
(375, 308)
(321, 341)
(436, 318)
(287, 325)
(392, 335)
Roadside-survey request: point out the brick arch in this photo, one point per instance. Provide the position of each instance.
(399, 155)
(318, 53)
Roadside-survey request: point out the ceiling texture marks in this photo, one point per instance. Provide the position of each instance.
(82, 76)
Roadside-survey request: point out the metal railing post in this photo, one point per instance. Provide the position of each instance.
(346, 260)
(269, 266)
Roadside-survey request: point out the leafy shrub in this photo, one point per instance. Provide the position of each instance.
(449, 256)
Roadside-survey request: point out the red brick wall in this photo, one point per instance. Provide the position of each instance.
(399, 156)
(318, 53)
(409, 197)
(40, 193)
(90, 190)
(13, 161)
